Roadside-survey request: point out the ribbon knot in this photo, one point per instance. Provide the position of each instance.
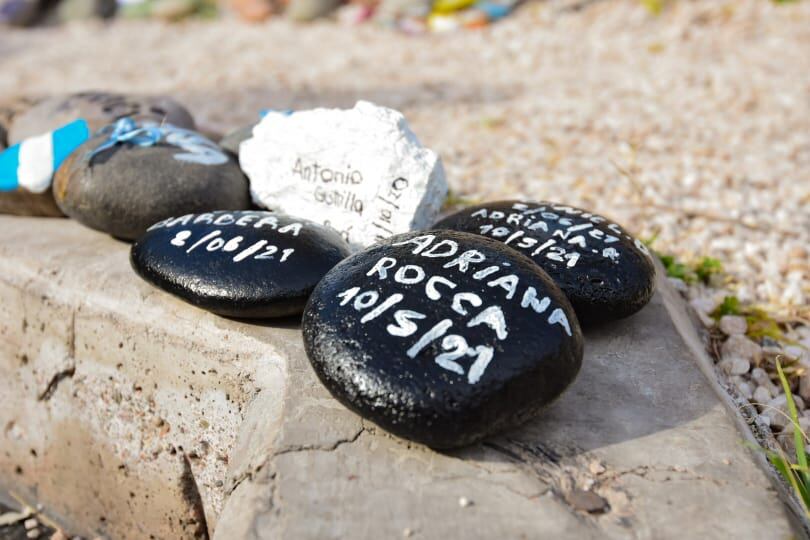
(126, 130)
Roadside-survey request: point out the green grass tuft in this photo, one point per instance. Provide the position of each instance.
(795, 473)
(729, 306)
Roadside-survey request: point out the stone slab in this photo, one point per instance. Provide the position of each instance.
(129, 414)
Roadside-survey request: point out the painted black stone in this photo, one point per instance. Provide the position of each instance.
(442, 337)
(250, 264)
(606, 273)
(126, 188)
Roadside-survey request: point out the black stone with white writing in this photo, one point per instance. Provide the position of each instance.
(126, 188)
(605, 272)
(442, 337)
(250, 264)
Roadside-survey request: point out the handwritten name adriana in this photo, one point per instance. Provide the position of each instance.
(569, 238)
(406, 323)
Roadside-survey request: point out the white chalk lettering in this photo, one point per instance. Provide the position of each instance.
(558, 317)
(430, 287)
(473, 299)
(418, 274)
(404, 327)
(492, 317)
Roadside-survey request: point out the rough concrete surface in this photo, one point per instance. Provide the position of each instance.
(130, 414)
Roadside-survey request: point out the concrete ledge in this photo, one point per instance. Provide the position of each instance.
(131, 414)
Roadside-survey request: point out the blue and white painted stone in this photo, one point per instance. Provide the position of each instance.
(31, 164)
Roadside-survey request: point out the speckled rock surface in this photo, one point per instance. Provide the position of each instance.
(442, 337)
(126, 189)
(238, 264)
(605, 273)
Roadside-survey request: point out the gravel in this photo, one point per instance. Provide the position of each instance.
(691, 126)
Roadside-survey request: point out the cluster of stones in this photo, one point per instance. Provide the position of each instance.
(440, 332)
(747, 361)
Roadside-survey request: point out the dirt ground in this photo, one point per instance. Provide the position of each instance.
(692, 126)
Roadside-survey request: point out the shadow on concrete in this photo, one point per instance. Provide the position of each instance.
(638, 378)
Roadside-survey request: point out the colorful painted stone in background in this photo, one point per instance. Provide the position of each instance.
(98, 109)
(361, 171)
(239, 264)
(20, 12)
(442, 337)
(605, 272)
(133, 175)
(27, 169)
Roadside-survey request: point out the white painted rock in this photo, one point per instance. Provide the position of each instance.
(361, 171)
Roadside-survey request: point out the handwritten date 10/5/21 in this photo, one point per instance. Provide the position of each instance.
(213, 241)
(455, 347)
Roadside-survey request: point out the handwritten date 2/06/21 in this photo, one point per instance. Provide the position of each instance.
(454, 345)
(213, 241)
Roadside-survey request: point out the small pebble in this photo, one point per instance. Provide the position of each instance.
(703, 304)
(762, 395)
(32, 533)
(737, 346)
(464, 502)
(760, 376)
(733, 325)
(777, 410)
(407, 533)
(735, 365)
(743, 386)
(30, 523)
(797, 352)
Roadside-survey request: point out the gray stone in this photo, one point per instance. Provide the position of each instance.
(762, 395)
(170, 421)
(777, 410)
(232, 140)
(735, 365)
(126, 189)
(733, 325)
(737, 346)
(761, 377)
(99, 109)
(743, 386)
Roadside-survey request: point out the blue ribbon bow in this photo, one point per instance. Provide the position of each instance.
(126, 130)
